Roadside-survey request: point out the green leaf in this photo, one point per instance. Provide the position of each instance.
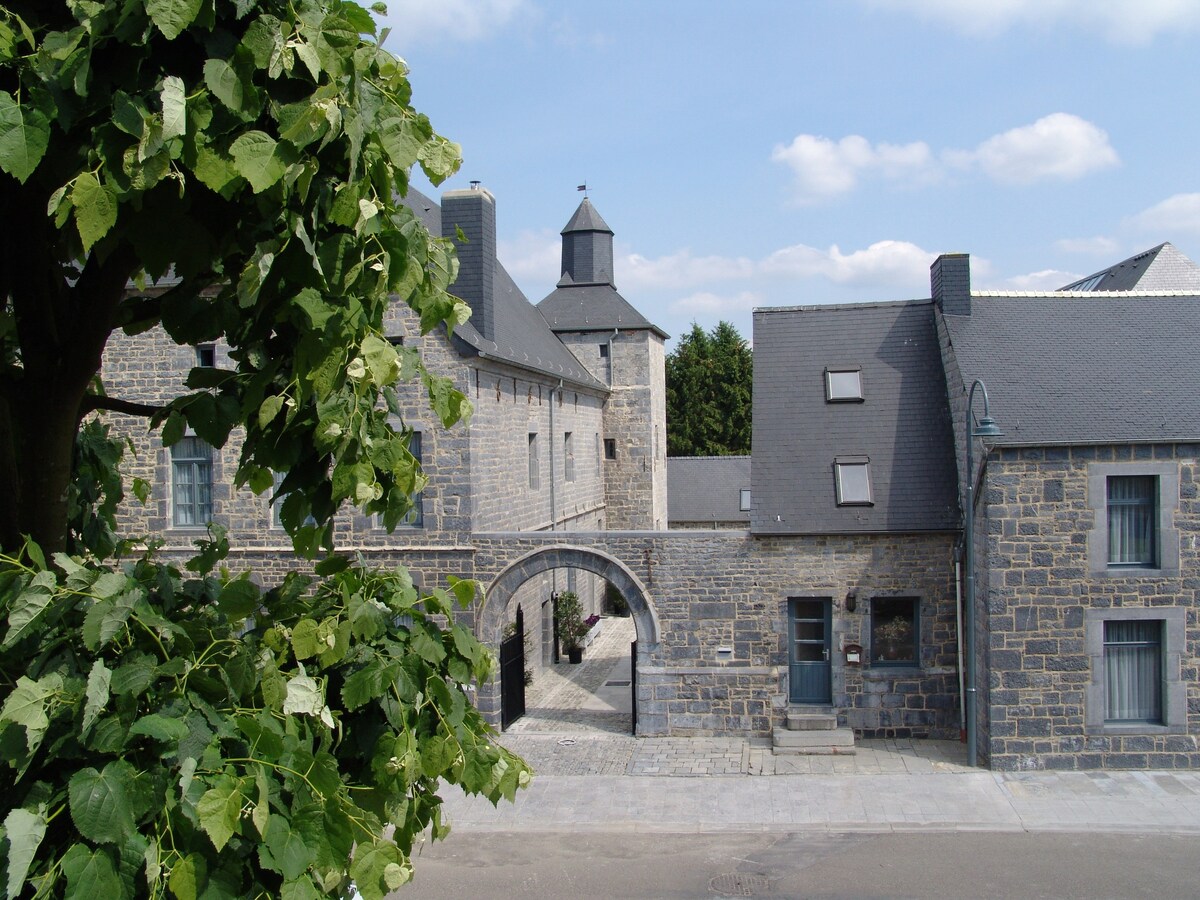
(369, 683)
(220, 810)
(90, 874)
(381, 359)
(300, 889)
(99, 680)
(259, 159)
(106, 619)
(27, 703)
(305, 697)
(24, 136)
(440, 159)
(161, 728)
(371, 869)
(305, 640)
(269, 410)
(95, 209)
(226, 84)
(173, 16)
(239, 599)
(29, 606)
(402, 141)
(174, 108)
(100, 802)
(25, 829)
(187, 875)
(289, 849)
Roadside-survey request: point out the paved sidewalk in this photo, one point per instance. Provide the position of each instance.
(592, 775)
(1157, 801)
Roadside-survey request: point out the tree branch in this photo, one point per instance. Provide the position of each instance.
(94, 402)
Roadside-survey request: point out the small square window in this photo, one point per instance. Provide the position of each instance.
(853, 476)
(843, 385)
(206, 356)
(610, 448)
(895, 631)
(744, 500)
(604, 351)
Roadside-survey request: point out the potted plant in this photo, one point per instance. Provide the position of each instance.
(568, 616)
(893, 639)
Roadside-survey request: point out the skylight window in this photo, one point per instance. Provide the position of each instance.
(853, 479)
(844, 385)
(1088, 284)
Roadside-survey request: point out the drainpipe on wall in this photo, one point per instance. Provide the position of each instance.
(612, 360)
(958, 631)
(553, 495)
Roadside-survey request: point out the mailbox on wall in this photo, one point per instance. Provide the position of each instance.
(853, 654)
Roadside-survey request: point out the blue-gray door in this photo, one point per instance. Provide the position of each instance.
(809, 622)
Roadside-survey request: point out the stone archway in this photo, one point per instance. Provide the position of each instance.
(499, 594)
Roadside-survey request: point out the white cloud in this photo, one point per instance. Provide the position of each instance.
(680, 269)
(1045, 280)
(708, 304)
(462, 20)
(1120, 21)
(824, 168)
(1093, 246)
(1178, 213)
(532, 256)
(884, 262)
(1059, 146)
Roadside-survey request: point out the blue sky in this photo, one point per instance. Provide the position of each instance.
(788, 152)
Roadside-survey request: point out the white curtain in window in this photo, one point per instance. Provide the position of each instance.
(1131, 520)
(1133, 669)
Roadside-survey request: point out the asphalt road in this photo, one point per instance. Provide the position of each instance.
(894, 865)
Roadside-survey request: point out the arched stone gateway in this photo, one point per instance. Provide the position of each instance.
(498, 596)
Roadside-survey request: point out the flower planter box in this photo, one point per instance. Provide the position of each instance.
(592, 634)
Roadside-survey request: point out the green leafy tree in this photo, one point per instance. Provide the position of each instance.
(709, 393)
(188, 733)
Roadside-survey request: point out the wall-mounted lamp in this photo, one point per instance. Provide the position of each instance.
(851, 602)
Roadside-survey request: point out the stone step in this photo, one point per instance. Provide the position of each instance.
(804, 721)
(838, 740)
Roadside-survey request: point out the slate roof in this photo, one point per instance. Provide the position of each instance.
(1095, 369)
(903, 425)
(707, 488)
(586, 219)
(593, 307)
(522, 336)
(1161, 268)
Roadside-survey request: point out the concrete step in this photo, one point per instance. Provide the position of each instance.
(837, 740)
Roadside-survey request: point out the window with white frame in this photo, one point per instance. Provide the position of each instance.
(191, 482)
(852, 475)
(843, 384)
(568, 457)
(535, 478)
(1135, 656)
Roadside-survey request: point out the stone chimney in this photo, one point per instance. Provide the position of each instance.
(950, 283)
(473, 211)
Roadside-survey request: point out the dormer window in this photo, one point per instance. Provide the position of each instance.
(852, 475)
(843, 384)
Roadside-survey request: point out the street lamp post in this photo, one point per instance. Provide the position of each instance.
(986, 428)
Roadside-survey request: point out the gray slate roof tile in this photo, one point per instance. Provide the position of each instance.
(707, 488)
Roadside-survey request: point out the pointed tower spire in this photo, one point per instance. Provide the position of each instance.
(587, 248)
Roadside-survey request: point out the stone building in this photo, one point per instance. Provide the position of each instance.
(1087, 516)
(567, 434)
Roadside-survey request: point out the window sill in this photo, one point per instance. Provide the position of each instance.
(1135, 572)
(1117, 729)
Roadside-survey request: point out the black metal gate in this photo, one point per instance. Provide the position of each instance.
(633, 680)
(512, 674)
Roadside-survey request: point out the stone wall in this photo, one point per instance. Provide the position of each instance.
(1049, 596)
